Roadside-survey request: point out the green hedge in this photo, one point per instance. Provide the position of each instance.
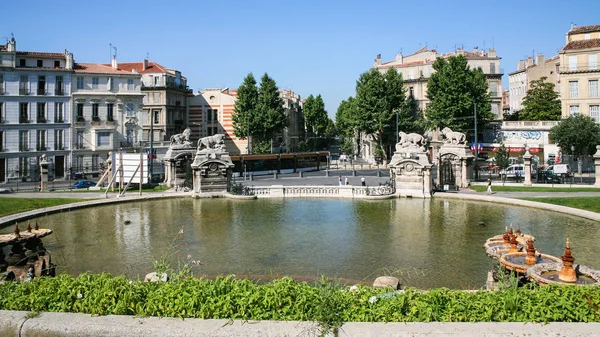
(286, 299)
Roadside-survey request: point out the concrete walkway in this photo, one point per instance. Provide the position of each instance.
(17, 323)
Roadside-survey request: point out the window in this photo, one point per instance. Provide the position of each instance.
(79, 163)
(1, 140)
(130, 84)
(595, 112)
(40, 63)
(95, 81)
(492, 68)
(156, 80)
(58, 86)
(573, 110)
(95, 160)
(41, 89)
(79, 140)
(80, 112)
(573, 89)
(95, 112)
(23, 113)
(1, 83)
(494, 89)
(1, 115)
(21, 62)
(41, 112)
(59, 140)
(411, 91)
(216, 115)
(23, 140)
(156, 116)
(59, 116)
(56, 64)
(109, 112)
(572, 63)
(23, 167)
(103, 138)
(24, 85)
(130, 111)
(79, 82)
(593, 61)
(41, 140)
(209, 116)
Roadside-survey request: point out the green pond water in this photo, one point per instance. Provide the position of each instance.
(425, 243)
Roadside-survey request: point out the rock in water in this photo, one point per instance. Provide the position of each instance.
(386, 281)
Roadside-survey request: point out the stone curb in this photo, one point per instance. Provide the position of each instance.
(16, 323)
(523, 203)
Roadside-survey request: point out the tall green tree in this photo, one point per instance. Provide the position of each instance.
(454, 89)
(270, 117)
(378, 96)
(315, 116)
(541, 102)
(502, 160)
(245, 107)
(580, 132)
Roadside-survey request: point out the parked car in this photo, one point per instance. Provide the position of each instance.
(84, 184)
(557, 173)
(513, 171)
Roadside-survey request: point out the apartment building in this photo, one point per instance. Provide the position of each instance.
(165, 99)
(107, 105)
(210, 113)
(530, 70)
(34, 112)
(579, 72)
(418, 67)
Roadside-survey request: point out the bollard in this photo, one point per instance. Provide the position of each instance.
(251, 178)
(354, 173)
(300, 174)
(275, 175)
(378, 174)
(327, 173)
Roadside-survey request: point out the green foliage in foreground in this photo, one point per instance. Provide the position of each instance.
(587, 203)
(500, 188)
(10, 206)
(285, 299)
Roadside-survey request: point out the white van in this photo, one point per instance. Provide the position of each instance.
(513, 171)
(559, 169)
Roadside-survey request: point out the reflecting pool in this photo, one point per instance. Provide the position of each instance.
(425, 243)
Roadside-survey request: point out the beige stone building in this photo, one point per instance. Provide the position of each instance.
(579, 72)
(529, 70)
(418, 67)
(295, 131)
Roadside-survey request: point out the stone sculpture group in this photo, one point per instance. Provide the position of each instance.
(181, 140)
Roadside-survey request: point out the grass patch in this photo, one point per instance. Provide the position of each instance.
(500, 188)
(10, 206)
(587, 203)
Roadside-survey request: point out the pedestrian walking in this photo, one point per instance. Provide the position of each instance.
(346, 180)
(362, 181)
(340, 180)
(489, 186)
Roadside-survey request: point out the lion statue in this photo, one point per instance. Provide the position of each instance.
(214, 142)
(181, 140)
(411, 139)
(453, 137)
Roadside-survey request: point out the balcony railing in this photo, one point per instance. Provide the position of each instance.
(59, 120)
(528, 125)
(59, 92)
(79, 146)
(59, 147)
(579, 67)
(41, 91)
(23, 91)
(23, 120)
(41, 120)
(80, 119)
(23, 147)
(41, 147)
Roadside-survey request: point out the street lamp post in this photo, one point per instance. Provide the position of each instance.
(397, 126)
(476, 147)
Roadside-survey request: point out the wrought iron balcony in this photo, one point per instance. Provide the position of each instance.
(580, 67)
(23, 91)
(41, 120)
(59, 92)
(23, 120)
(41, 91)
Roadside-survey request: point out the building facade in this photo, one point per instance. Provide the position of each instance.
(295, 130)
(165, 99)
(35, 112)
(107, 105)
(417, 68)
(530, 70)
(580, 73)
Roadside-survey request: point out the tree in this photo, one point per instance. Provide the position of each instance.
(269, 118)
(580, 132)
(315, 115)
(453, 90)
(541, 102)
(502, 157)
(245, 107)
(378, 96)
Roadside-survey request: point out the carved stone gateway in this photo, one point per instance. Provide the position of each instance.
(410, 167)
(212, 165)
(452, 164)
(180, 150)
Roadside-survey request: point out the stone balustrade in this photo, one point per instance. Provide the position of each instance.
(319, 191)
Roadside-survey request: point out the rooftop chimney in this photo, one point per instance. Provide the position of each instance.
(68, 60)
(540, 59)
(114, 62)
(145, 64)
(529, 62)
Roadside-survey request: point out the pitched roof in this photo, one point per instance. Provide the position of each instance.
(39, 54)
(153, 67)
(584, 29)
(582, 44)
(400, 65)
(95, 68)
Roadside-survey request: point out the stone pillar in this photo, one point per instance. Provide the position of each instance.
(527, 159)
(44, 174)
(464, 173)
(597, 164)
(427, 188)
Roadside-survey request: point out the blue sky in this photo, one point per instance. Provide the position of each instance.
(310, 47)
